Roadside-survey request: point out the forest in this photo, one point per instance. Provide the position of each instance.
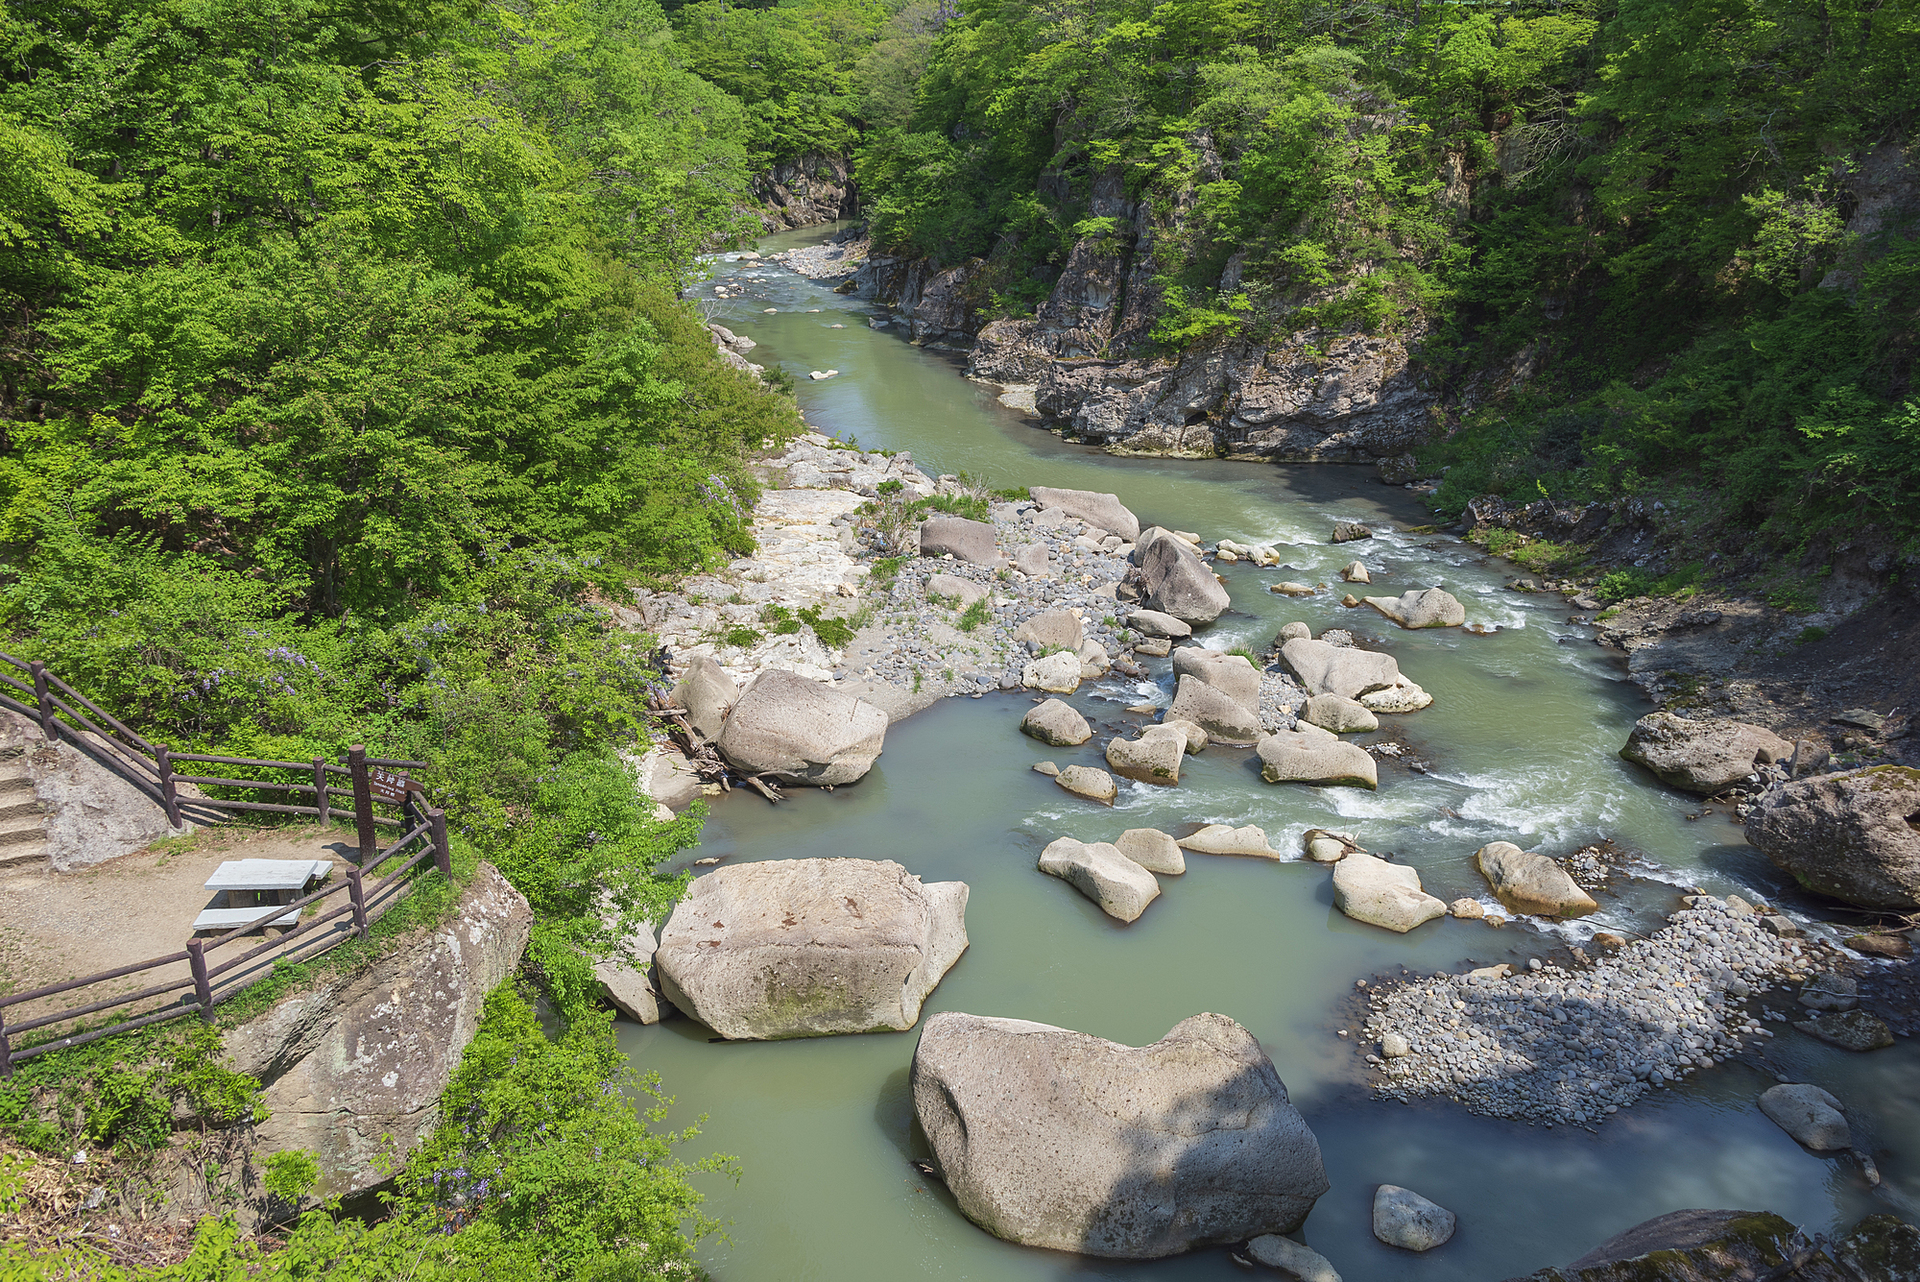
(344, 377)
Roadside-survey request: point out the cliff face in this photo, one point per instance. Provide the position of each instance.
(805, 192)
(1085, 360)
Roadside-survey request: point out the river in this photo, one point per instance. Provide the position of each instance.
(1522, 741)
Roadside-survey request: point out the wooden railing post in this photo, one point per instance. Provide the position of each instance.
(169, 791)
(320, 790)
(362, 803)
(48, 726)
(358, 894)
(196, 958)
(442, 853)
(6, 1052)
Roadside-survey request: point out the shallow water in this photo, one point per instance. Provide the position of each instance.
(1522, 741)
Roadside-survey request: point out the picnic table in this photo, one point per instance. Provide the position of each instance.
(249, 885)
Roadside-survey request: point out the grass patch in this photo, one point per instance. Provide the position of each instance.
(742, 636)
(1792, 599)
(1808, 635)
(975, 615)
(886, 570)
(1624, 584)
(779, 620)
(833, 633)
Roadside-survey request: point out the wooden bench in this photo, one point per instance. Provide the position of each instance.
(228, 918)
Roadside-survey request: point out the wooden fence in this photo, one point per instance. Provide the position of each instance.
(63, 713)
(366, 784)
(428, 834)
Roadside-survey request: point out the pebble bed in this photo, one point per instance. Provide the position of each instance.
(1573, 1046)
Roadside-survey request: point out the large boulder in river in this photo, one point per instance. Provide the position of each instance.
(1370, 889)
(801, 731)
(1152, 758)
(1338, 714)
(708, 694)
(967, 540)
(1338, 669)
(1531, 883)
(1231, 674)
(1152, 849)
(1103, 510)
(1057, 722)
(1098, 870)
(1854, 836)
(1432, 608)
(1152, 623)
(1179, 583)
(1223, 717)
(1308, 754)
(810, 947)
(1058, 673)
(1219, 839)
(1089, 782)
(1054, 1138)
(1702, 756)
(1809, 1114)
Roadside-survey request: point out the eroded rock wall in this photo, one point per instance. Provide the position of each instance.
(805, 192)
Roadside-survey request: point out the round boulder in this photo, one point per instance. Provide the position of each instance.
(1702, 756)
(1152, 849)
(1339, 714)
(1098, 870)
(1531, 883)
(801, 732)
(1088, 782)
(1218, 839)
(1309, 754)
(1056, 722)
(1432, 608)
(1404, 1219)
(810, 947)
(1854, 836)
(1151, 1151)
(1809, 1114)
(1374, 891)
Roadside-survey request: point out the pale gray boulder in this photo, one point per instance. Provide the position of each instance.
(1308, 754)
(708, 694)
(1350, 531)
(971, 541)
(801, 732)
(1052, 629)
(1851, 836)
(1809, 1114)
(951, 587)
(1057, 673)
(1702, 756)
(1404, 1219)
(1033, 561)
(1325, 847)
(1152, 623)
(1284, 1253)
(1338, 714)
(1355, 572)
(1103, 510)
(1293, 631)
(1402, 696)
(1219, 839)
(1230, 674)
(1153, 850)
(1432, 608)
(810, 947)
(1374, 891)
(1152, 758)
(627, 978)
(1058, 723)
(1196, 736)
(1179, 584)
(667, 777)
(1097, 869)
(1088, 782)
(1223, 717)
(1528, 882)
(1149, 1152)
(1341, 670)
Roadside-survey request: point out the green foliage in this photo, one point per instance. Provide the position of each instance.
(290, 1174)
(779, 620)
(742, 636)
(1808, 635)
(832, 632)
(975, 615)
(1629, 582)
(1792, 598)
(973, 507)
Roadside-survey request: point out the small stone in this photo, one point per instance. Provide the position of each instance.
(1394, 1046)
(1467, 909)
(1047, 768)
(1302, 1262)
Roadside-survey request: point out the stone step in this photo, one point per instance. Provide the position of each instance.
(25, 855)
(15, 804)
(15, 770)
(19, 829)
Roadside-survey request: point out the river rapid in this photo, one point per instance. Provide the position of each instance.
(1521, 744)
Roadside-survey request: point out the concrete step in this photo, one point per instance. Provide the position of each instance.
(20, 829)
(23, 856)
(15, 771)
(13, 805)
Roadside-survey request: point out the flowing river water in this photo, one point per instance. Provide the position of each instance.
(1521, 741)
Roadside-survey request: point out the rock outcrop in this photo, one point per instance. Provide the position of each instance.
(353, 1070)
(1098, 870)
(1702, 756)
(1528, 882)
(810, 947)
(1374, 891)
(1308, 754)
(801, 732)
(1054, 1138)
(1854, 836)
(1736, 1246)
(806, 191)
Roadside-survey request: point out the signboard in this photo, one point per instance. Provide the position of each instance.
(391, 785)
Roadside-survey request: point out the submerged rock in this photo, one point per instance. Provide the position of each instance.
(1284, 1253)
(1702, 756)
(1531, 883)
(1809, 1114)
(1852, 836)
(1219, 839)
(1853, 1030)
(1152, 1151)
(1404, 1219)
(810, 947)
(1098, 870)
(801, 732)
(1371, 890)
(1432, 608)
(1350, 531)
(1056, 722)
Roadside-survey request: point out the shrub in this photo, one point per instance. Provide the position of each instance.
(832, 632)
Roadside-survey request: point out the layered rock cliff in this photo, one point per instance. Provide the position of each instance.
(805, 192)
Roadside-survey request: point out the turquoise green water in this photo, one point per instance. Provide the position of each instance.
(1522, 743)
